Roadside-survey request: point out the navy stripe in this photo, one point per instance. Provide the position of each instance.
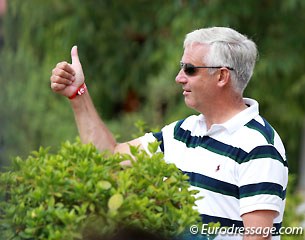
(159, 137)
(267, 131)
(208, 143)
(277, 227)
(267, 151)
(237, 154)
(228, 189)
(262, 188)
(226, 222)
(213, 185)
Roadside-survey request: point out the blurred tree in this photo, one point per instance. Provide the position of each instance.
(130, 52)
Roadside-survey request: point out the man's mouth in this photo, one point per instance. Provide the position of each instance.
(186, 91)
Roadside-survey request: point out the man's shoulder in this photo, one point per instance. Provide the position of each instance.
(261, 127)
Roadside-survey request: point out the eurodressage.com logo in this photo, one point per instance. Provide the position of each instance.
(207, 230)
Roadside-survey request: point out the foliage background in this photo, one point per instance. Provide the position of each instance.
(130, 52)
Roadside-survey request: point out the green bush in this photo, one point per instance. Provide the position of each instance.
(291, 217)
(76, 191)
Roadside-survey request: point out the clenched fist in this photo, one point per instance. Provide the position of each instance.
(66, 78)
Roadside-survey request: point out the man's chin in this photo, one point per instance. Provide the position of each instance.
(189, 104)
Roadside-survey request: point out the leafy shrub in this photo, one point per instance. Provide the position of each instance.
(291, 216)
(78, 190)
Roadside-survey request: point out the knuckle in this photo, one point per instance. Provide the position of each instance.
(53, 86)
(61, 72)
(57, 79)
(56, 87)
(61, 64)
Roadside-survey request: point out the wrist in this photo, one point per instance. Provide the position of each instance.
(80, 91)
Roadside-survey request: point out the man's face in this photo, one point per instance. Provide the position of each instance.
(198, 87)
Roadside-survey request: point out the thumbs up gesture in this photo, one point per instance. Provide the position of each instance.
(66, 78)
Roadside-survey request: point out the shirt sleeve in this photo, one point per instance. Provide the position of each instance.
(263, 178)
(165, 133)
(150, 138)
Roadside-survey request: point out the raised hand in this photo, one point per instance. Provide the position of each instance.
(66, 78)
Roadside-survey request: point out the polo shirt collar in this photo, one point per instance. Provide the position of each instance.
(237, 121)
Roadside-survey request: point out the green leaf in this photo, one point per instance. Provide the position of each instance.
(115, 202)
(105, 185)
(153, 147)
(134, 150)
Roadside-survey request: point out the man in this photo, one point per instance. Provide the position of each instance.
(231, 154)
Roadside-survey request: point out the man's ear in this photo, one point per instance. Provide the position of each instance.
(223, 77)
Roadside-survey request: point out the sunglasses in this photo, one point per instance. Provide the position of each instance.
(191, 70)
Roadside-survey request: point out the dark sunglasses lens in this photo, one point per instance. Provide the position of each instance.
(189, 69)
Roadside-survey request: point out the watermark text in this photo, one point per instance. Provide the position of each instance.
(205, 229)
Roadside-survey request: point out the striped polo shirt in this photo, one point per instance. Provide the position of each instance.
(238, 166)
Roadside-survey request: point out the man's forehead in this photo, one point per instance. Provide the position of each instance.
(197, 46)
(195, 52)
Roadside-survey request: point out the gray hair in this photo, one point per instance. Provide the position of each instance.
(227, 48)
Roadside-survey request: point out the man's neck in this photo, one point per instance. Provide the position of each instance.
(223, 111)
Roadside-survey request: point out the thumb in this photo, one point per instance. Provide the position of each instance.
(76, 65)
(74, 56)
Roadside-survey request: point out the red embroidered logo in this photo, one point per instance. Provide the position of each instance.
(218, 168)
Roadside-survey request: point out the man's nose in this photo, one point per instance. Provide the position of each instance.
(181, 77)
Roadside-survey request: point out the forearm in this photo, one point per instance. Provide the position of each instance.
(90, 126)
(261, 222)
(257, 237)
